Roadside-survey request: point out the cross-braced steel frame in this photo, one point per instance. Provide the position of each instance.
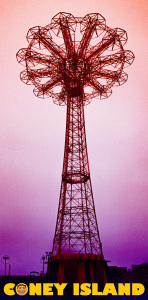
(88, 63)
(76, 228)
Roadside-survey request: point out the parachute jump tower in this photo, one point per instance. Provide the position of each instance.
(73, 60)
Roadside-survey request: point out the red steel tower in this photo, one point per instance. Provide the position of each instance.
(73, 60)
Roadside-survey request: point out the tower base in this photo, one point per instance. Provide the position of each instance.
(78, 268)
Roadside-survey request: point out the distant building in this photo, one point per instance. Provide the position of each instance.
(118, 274)
(140, 274)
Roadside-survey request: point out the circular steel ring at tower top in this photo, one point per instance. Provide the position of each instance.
(73, 57)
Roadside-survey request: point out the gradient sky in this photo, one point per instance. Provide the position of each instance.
(32, 137)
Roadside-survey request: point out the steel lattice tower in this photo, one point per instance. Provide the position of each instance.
(74, 60)
(76, 228)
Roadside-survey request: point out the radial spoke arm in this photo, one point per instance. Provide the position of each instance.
(49, 45)
(94, 83)
(111, 60)
(40, 73)
(116, 59)
(67, 38)
(49, 84)
(86, 39)
(34, 56)
(101, 47)
(105, 73)
(25, 56)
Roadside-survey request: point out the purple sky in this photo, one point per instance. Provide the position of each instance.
(32, 142)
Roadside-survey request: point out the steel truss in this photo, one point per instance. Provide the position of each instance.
(76, 228)
(87, 65)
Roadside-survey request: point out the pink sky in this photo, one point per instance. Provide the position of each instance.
(32, 142)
